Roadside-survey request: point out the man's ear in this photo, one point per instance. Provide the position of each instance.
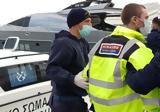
(134, 20)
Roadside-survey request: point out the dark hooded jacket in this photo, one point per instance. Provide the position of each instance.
(68, 56)
(153, 40)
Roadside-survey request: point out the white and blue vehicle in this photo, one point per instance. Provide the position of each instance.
(23, 84)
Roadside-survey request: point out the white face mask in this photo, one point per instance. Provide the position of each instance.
(146, 29)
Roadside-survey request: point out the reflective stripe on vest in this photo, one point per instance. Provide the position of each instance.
(117, 76)
(115, 101)
(151, 101)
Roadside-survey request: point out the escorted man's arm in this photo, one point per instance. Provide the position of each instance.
(61, 56)
(144, 80)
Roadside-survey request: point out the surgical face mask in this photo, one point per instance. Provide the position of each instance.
(146, 29)
(86, 30)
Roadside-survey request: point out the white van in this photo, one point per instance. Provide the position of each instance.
(23, 85)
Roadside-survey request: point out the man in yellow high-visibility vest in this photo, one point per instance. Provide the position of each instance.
(121, 67)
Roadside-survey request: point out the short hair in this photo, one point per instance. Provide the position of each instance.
(131, 10)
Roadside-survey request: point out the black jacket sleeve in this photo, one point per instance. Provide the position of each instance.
(61, 56)
(153, 39)
(146, 79)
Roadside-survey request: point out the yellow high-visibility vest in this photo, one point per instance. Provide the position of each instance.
(107, 88)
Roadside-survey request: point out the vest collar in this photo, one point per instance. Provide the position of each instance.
(129, 33)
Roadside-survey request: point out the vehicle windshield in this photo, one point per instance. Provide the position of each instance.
(51, 22)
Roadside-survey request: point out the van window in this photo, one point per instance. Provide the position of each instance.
(21, 75)
(40, 68)
(16, 76)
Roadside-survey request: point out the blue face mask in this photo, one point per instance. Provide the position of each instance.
(85, 31)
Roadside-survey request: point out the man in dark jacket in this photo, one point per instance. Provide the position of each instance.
(68, 57)
(153, 40)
